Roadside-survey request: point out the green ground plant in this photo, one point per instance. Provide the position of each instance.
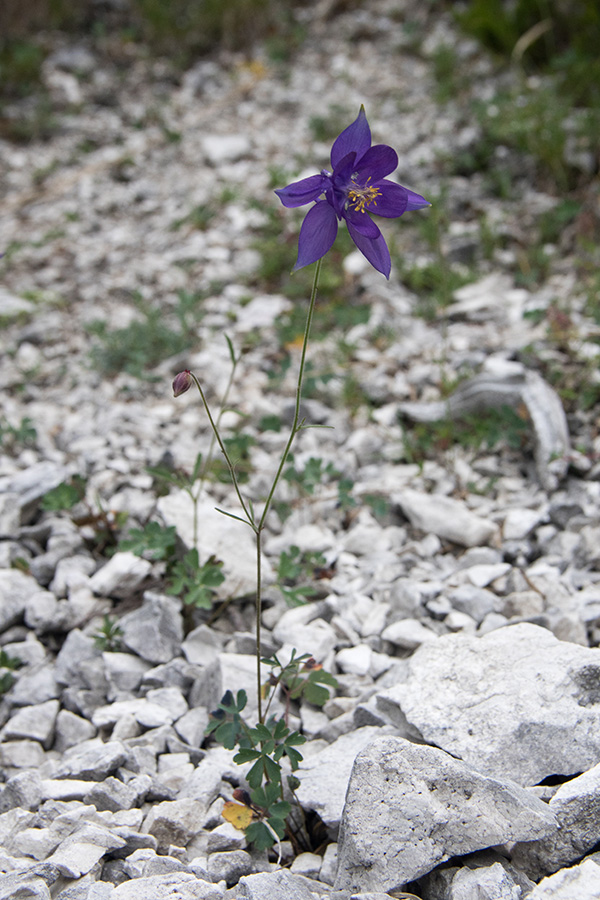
(296, 571)
(147, 340)
(484, 430)
(15, 437)
(106, 525)
(109, 634)
(8, 664)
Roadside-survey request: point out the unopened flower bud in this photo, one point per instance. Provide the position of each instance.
(182, 383)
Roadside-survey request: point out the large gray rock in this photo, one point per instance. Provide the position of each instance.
(171, 886)
(35, 723)
(174, 821)
(23, 886)
(15, 590)
(121, 575)
(576, 806)
(32, 483)
(448, 518)
(83, 849)
(410, 807)
(79, 663)
(580, 882)
(486, 883)
(324, 776)
(155, 630)
(94, 760)
(273, 886)
(516, 703)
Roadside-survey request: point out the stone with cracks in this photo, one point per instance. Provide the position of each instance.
(410, 807)
(580, 882)
(171, 886)
(576, 806)
(273, 886)
(516, 703)
(155, 630)
(324, 776)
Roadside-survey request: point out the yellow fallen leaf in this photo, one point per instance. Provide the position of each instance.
(237, 814)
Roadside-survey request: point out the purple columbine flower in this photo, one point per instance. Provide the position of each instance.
(355, 187)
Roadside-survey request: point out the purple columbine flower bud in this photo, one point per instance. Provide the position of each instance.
(182, 382)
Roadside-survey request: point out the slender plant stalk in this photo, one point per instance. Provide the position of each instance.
(296, 426)
(195, 495)
(225, 453)
(258, 526)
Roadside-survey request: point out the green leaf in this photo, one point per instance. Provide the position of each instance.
(226, 734)
(262, 733)
(295, 738)
(294, 756)
(315, 693)
(246, 755)
(197, 467)
(266, 795)
(232, 515)
(153, 540)
(255, 775)
(278, 826)
(280, 809)
(65, 495)
(231, 350)
(281, 730)
(259, 836)
(293, 782)
(272, 769)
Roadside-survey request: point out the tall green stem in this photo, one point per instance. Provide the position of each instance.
(225, 453)
(258, 527)
(296, 426)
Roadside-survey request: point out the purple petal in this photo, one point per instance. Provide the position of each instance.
(415, 201)
(377, 162)
(362, 223)
(355, 138)
(317, 234)
(391, 202)
(301, 192)
(375, 251)
(344, 169)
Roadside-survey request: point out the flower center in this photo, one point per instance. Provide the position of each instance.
(360, 196)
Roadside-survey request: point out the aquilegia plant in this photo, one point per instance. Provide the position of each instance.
(355, 189)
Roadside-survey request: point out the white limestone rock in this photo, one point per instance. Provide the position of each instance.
(432, 806)
(515, 703)
(445, 517)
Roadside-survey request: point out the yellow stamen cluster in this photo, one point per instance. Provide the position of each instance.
(361, 196)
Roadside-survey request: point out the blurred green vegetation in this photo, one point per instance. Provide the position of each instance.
(181, 29)
(550, 36)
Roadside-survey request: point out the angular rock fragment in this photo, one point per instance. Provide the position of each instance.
(409, 808)
(516, 703)
(575, 883)
(576, 806)
(324, 776)
(448, 518)
(154, 631)
(273, 886)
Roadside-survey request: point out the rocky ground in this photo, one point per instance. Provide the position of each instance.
(455, 583)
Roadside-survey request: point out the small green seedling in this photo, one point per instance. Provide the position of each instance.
(108, 637)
